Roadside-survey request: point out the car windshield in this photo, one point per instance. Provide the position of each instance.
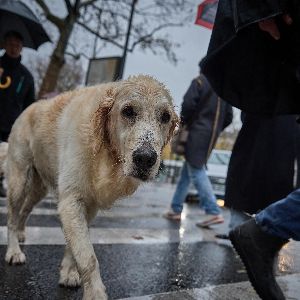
(219, 159)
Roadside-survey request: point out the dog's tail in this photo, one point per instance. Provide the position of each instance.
(3, 154)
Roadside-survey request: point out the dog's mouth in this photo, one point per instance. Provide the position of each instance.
(142, 175)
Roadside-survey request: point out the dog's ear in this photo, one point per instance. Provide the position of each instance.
(100, 121)
(174, 123)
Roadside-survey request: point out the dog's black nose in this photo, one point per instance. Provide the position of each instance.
(144, 157)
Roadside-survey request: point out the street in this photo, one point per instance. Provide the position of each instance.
(140, 254)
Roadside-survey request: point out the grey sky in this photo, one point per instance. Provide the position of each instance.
(193, 39)
(194, 42)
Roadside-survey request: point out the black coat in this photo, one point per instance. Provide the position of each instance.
(246, 66)
(261, 168)
(19, 95)
(206, 116)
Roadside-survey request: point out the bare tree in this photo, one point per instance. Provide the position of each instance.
(107, 20)
(70, 77)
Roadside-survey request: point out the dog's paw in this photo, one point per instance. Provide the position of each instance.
(21, 236)
(94, 291)
(15, 257)
(69, 278)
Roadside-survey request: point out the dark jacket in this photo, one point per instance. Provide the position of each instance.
(206, 116)
(246, 66)
(261, 168)
(19, 95)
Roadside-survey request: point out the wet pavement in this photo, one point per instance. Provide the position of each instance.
(140, 253)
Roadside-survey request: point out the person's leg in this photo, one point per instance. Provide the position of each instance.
(203, 185)
(180, 195)
(3, 138)
(208, 200)
(2, 189)
(282, 218)
(237, 217)
(259, 240)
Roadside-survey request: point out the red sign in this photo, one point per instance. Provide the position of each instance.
(206, 13)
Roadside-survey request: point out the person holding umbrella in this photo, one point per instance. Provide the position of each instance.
(19, 28)
(16, 87)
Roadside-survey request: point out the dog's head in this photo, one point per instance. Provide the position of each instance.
(135, 120)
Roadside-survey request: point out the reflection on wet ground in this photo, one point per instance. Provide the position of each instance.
(139, 251)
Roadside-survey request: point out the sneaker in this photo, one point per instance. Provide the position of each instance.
(222, 236)
(171, 215)
(211, 220)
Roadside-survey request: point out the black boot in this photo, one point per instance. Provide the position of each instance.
(258, 251)
(2, 189)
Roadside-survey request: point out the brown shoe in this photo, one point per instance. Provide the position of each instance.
(171, 215)
(211, 220)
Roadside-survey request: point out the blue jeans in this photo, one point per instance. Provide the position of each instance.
(282, 218)
(203, 186)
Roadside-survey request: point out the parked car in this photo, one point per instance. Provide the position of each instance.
(217, 166)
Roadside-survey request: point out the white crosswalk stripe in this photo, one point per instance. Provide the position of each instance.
(127, 209)
(54, 236)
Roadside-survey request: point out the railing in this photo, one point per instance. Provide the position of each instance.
(169, 171)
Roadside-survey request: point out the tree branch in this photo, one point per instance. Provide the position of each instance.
(105, 38)
(76, 56)
(76, 7)
(86, 3)
(149, 35)
(53, 19)
(69, 6)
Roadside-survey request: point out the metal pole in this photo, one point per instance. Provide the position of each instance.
(127, 40)
(96, 37)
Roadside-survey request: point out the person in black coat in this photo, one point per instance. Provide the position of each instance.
(16, 87)
(268, 149)
(249, 68)
(255, 46)
(206, 115)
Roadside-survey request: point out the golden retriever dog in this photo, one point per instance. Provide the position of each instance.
(91, 147)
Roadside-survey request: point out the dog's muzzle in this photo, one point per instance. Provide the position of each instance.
(144, 158)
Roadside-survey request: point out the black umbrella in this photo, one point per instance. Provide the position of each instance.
(16, 16)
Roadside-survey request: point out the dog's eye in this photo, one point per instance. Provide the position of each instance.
(165, 117)
(129, 112)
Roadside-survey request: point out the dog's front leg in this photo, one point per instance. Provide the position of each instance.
(73, 217)
(69, 276)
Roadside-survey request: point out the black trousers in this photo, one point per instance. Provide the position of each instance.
(4, 136)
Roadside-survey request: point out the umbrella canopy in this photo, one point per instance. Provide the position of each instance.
(206, 13)
(16, 16)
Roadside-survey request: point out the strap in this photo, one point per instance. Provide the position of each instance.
(200, 80)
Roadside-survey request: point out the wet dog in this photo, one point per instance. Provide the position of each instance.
(91, 147)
